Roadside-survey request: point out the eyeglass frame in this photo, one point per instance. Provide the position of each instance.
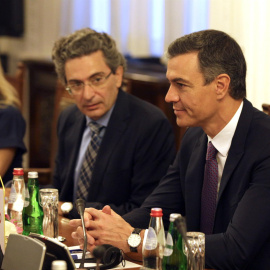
(82, 84)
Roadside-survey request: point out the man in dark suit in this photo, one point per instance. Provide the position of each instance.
(135, 144)
(207, 72)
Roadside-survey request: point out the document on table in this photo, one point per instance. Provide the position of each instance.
(76, 253)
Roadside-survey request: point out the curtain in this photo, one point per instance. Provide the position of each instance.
(248, 22)
(144, 28)
(141, 28)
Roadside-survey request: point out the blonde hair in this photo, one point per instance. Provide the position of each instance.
(8, 94)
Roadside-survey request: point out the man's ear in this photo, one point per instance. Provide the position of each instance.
(222, 85)
(119, 76)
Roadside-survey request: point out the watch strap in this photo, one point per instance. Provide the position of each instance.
(137, 230)
(133, 249)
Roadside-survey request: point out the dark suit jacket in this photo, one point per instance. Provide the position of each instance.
(135, 153)
(241, 238)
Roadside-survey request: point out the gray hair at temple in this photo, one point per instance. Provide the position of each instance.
(84, 42)
(218, 53)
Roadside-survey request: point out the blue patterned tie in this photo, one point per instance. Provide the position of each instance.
(89, 161)
(209, 191)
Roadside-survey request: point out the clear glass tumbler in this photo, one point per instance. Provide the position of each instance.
(196, 254)
(48, 200)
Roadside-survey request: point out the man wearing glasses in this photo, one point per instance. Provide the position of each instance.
(113, 148)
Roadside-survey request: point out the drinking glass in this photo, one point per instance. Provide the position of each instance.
(48, 200)
(196, 254)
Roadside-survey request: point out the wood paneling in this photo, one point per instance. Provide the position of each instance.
(148, 81)
(42, 97)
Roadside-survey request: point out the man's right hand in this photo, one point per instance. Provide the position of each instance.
(103, 227)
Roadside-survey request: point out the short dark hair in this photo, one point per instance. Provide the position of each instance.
(217, 53)
(84, 42)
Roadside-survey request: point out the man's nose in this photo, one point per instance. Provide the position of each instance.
(88, 91)
(172, 95)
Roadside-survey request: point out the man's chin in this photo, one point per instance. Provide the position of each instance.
(94, 117)
(93, 114)
(183, 123)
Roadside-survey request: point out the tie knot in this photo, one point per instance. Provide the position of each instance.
(95, 127)
(211, 152)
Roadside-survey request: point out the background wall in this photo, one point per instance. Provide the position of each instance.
(248, 22)
(42, 27)
(128, 21)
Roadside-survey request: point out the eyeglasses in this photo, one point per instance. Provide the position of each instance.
(75, 88)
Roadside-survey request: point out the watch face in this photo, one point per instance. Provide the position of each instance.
(134, 240)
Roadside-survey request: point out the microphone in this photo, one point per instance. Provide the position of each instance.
(80, 206)
(180, 224)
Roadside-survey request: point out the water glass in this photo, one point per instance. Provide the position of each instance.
(195, 258)
(48, 200)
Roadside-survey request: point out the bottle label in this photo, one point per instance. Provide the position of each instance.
(12, 195)
(151, 239)
(169, 245)
(26, 200)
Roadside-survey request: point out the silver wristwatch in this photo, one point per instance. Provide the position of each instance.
(134, 240)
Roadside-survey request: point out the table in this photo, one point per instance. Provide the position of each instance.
(65, 230)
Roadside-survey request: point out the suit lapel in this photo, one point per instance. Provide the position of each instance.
(195, 169)
(74, 138)
(116, 126)
(237, 148)
(194, 181)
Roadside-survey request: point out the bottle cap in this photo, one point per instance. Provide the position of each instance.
(156, 212)
(174, 216)
(32, 175)
(18, 171)
(59, 265)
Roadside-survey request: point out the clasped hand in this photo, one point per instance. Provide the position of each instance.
(103, 227)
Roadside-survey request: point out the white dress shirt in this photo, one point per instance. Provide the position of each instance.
(222, 142)
(86, 138)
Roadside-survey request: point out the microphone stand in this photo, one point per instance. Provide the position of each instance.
(180, 224)
(80, 206)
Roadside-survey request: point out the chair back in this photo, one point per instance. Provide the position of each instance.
(266, 108)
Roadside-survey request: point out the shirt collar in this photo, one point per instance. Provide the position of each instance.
(103, 120)
(222, 141)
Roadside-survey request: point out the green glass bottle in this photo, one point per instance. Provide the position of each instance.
(174, 257)
(32, 211)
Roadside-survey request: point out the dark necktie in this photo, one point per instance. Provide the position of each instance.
(89, 161)
(209, 191)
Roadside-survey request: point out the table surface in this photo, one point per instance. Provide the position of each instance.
(65, 230)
